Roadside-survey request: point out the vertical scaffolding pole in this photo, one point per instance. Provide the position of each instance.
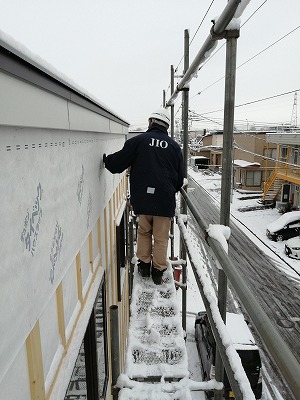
(230, 77)
(131, 254)
(185, 116)
(172, 106)
(172, 136)
(231, 46)
(115, 349)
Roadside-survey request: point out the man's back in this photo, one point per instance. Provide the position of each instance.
(156, 172)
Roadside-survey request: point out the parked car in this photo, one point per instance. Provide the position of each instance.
(292, 247)
(285, 227)
(199, 162)
(244, 344)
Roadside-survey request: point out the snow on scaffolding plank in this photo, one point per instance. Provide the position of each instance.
(153, 393)
(156, 346)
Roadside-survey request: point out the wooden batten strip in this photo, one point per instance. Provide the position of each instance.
(79, 278)
(35, 364)
(91, 251)
(61, 314)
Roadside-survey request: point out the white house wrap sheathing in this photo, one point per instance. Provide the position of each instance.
(54, 190)
(52, 193)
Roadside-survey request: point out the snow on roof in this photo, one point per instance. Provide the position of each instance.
(286, 218)
(243, 163)
(17, 48)
(294, 241)
(239, 332)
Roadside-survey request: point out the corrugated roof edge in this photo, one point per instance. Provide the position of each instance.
(23, 53)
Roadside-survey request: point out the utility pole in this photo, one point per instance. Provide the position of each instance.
(294, 113)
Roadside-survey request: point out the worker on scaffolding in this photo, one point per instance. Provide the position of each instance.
(156, 174)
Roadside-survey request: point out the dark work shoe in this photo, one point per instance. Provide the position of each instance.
(157, 275)
(144, 268)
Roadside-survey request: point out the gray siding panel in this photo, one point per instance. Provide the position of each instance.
(21, 69)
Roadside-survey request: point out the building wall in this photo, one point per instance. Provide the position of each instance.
(213, 139)
(58, 211)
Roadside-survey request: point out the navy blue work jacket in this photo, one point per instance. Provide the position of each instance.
(156, 172)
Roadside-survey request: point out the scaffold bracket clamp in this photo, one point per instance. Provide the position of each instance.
(184, 89)
(226, 34)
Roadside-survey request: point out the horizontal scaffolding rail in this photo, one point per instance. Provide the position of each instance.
(217, 32)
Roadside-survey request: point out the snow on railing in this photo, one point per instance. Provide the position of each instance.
(230, 357)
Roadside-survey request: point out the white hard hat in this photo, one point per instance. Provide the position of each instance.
(161, 114)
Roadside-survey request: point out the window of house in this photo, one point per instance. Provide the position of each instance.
(253, 178)
(283, 153)
(90, 374)
(77, 388)
(295, 155)
(271, 153)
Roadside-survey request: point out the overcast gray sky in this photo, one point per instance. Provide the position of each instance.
(121, 52)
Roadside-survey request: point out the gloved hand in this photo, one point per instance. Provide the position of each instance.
(102, 161)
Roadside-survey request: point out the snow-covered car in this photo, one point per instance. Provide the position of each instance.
(285, 227)
(244, 344)
(292, 247)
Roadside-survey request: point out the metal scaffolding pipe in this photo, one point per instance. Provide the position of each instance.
(209, 44)
(115, 348)
(231, 47)
(219, 343)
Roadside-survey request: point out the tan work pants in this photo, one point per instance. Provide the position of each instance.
(159, 228)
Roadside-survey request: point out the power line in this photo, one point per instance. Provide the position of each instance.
(277, 41)
(176, 69)
(244, 62)
(267, 158)
(262, 51)
(255, 101)
(216, 120)
(224, 43)
(196, 32)
(217, 49)
(254, 12)
(201, 22)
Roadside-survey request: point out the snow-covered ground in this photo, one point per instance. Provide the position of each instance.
(254, 224)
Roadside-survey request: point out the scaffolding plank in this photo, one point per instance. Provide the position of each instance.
(156, 346)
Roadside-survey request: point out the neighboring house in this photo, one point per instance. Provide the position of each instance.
(212, 146)
(254, 157)
(247, 175)
(283, 184)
